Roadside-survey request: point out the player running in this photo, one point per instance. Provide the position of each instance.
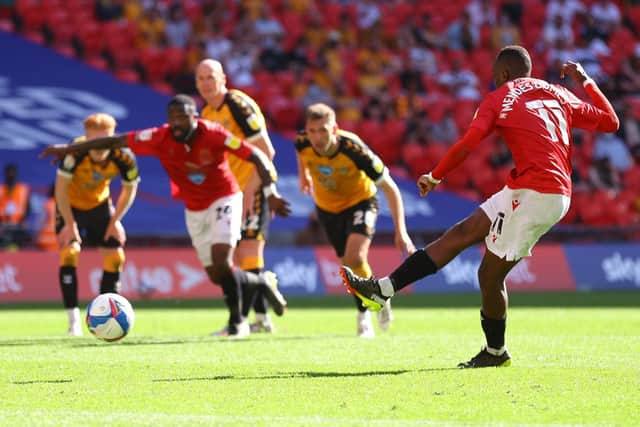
(193, 152)
(239, 113)
(343, 175)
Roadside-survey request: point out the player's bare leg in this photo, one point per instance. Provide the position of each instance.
(470, 231)
(375, 293)
(495, 301)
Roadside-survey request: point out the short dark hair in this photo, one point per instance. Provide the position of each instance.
(319, 111)
(182, 100)
(516, 59)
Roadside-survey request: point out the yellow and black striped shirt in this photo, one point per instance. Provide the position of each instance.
(240, 114)
(345, 178)
(90, 181)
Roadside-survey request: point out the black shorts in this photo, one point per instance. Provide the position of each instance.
(256, 226)
(92, 224)
(360, 218)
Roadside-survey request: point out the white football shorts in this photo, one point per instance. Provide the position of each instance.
(519, 218)
(219, 223)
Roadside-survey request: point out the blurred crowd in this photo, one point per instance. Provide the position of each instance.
(404, 75)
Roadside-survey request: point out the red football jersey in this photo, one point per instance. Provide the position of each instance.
(535, 119)
(199, 173)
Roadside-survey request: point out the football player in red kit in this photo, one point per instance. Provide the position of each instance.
(535, 119)
(193, 152)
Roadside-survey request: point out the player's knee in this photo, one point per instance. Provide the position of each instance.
(490, 282)
(69, 255)
(113, 260)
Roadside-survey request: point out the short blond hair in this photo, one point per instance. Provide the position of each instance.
(100, 121)
(320, 111)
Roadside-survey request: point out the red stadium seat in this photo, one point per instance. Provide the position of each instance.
(486, 181)
(174, 58)
(97, 62)
(631, 178)
(285, 113)
(127, 75)
(331, 12)
(456, 180)
(463, 113)
(368, 129)
(32, 19)
(162, 87)
(90, 38)
(413, 155)
(154, 64)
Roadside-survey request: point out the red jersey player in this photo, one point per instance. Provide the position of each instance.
(193, 152)
(535, 119)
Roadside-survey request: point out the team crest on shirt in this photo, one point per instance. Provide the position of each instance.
(196, 177)
(325, 170)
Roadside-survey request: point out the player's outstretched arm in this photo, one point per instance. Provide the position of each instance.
(264, 168)
(58, 151)
(606, 120)
(455, 155)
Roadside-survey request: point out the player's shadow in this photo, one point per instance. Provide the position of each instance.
(304, 374)
(209, 340)
(49, 381)
(24, 342)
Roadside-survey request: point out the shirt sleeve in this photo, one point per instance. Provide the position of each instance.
(127, 165)
(599, 116)
(364, 159)
(246, 114)
(485, 117)
(144, 142)
(239, 147)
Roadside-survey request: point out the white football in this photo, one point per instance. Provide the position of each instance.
(110, 317)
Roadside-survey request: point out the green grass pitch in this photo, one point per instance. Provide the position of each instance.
(576, 361)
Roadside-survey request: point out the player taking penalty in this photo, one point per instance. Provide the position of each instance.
(535, 119)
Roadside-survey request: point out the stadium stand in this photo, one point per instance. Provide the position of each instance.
(360, 56)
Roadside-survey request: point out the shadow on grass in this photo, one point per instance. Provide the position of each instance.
(304, 374)
(30, 382)
(620, 298)
(150, 341)
(23, 342)
(142, 341)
